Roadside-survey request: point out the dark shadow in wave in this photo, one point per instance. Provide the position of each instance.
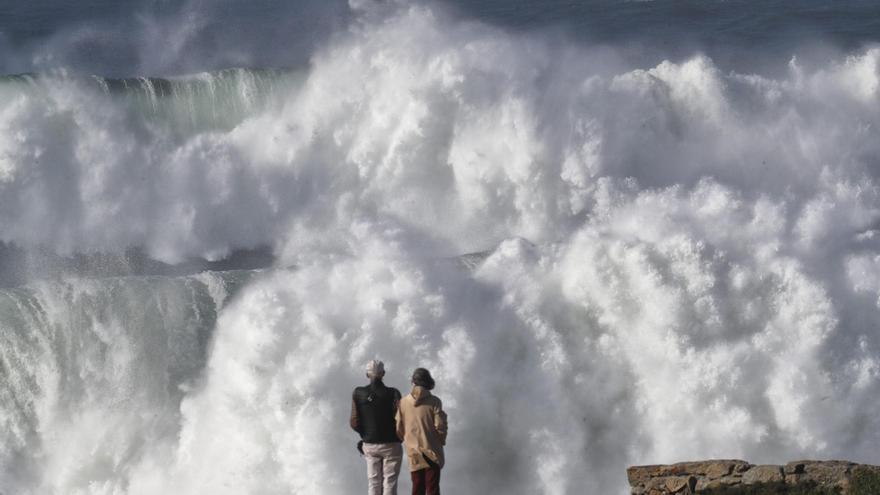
(19, 266)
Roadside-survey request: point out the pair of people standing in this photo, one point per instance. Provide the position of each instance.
(383, 419)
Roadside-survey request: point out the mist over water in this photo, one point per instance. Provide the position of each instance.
(122, 38)
(670, 260)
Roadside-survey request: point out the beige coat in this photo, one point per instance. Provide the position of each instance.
(421, 423)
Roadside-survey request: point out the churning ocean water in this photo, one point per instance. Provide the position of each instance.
(617, 232)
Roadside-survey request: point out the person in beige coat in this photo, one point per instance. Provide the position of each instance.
(421, 423)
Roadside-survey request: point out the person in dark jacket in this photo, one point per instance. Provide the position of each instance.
(373, 408)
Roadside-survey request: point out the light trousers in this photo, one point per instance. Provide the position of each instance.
(383, 467)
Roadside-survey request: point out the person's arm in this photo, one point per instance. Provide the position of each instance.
(440, 422)
(353, 420)
(398, 418)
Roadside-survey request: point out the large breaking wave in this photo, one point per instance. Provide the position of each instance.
(681, 262)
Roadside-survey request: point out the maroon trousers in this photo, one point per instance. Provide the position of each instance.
(426, 481)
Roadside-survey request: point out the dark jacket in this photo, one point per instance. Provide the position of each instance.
(372, 412)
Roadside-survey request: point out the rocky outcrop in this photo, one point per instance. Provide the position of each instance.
(740, 477)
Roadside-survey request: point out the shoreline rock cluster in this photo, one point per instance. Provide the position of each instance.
(732, 476)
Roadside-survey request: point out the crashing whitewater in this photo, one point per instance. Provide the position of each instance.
(680, 262)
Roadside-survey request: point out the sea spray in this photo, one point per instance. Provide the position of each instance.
(94, 371)
(465, 134)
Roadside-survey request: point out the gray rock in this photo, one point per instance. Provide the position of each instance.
(763, 474)
(726, 481)
(693, 478)
(823, 473)
(680, 484)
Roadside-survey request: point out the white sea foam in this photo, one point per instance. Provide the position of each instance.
(684, 263)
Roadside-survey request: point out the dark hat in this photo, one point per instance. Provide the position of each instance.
(422, 378)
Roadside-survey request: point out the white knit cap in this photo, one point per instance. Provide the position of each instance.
(375, 369)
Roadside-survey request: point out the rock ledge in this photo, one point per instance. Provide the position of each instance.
(732, 476)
